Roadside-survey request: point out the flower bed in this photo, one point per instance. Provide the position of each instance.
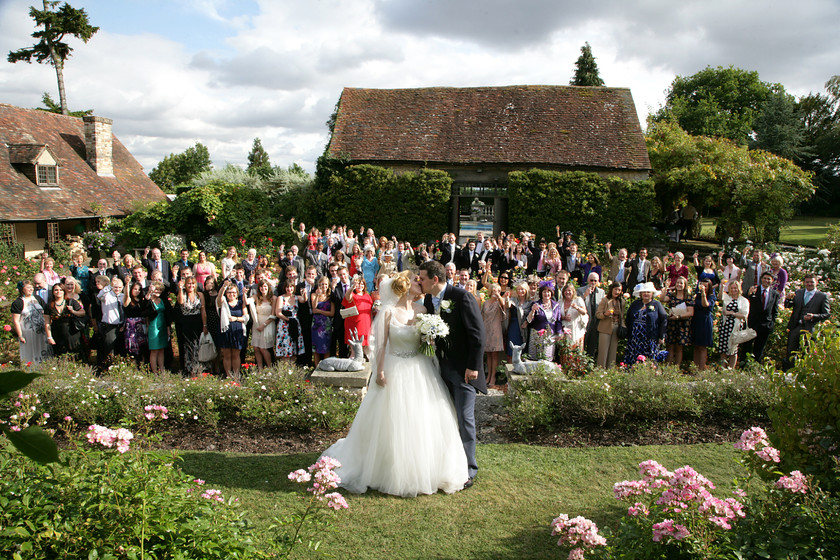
(643, 394)
(279, 396)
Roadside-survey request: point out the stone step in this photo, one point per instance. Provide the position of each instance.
(347, 379)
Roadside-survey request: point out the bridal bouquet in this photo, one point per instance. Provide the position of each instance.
(430, 327)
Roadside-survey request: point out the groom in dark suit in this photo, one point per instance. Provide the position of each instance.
(810, 306)
(764, 308)
(461, 355)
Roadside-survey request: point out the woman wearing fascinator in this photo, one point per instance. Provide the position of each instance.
(647, 322)
(404, 440)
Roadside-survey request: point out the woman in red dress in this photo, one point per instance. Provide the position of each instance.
(360, 323)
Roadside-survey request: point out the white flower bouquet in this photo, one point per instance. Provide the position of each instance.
(430, 327)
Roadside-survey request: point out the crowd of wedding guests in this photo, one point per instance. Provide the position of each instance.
(306, 302)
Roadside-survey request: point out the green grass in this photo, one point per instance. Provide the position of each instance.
(506, 515)
(807, 231)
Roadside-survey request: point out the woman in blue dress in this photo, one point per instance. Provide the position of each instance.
(647, 322)
(702, 324)
(707, 272)
(370, 267)
(232, 318)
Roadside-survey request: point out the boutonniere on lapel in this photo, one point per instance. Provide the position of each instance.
(446, 306)
(651, 307)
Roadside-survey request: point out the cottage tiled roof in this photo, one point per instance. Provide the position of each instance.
(555, 125)
(24, 133)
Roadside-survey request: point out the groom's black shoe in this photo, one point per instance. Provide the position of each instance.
(468, 484)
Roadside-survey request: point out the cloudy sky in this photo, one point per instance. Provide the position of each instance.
(171, 73)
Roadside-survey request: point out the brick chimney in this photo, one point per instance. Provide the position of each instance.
(99, 145)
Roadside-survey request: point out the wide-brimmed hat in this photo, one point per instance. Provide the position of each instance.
(645, 287)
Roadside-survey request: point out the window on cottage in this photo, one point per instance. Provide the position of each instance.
(47, 176)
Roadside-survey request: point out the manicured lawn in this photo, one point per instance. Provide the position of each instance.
(506, 515)
(806, 231)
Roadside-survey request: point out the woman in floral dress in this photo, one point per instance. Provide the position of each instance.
(679, 326)
(646, 324)
(289, 335)
(32, 325)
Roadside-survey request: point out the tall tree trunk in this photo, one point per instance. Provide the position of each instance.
(58, 63)
(59, 72)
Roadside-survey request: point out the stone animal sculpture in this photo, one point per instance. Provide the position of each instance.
(526, 367)
(346, 364)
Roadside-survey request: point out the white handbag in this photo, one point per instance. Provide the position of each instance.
(206, 348)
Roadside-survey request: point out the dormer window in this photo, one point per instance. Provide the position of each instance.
(47, 175)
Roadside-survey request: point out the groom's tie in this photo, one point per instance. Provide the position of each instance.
(436, 303)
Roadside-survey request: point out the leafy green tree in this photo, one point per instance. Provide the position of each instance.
(51, 48)
(721, 102)
(180, 169)
(52, 107)
(586, 69)
(821, 117)
(779, 127)
(258, 161)
(755, 191)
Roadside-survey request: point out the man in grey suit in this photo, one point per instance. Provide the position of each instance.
(592, 296)
(810, 306)
(753, 269)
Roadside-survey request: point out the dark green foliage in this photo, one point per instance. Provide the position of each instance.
(779, 127)
(178, 169)
(821, 115)
(144, 226)
(587, 204)
(411, 206)
(586, 69)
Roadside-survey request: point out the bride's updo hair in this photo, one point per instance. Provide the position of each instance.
(401, 283)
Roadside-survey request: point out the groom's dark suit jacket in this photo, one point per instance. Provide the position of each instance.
(464, 347)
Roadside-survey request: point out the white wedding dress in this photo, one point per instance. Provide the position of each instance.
(404, 440)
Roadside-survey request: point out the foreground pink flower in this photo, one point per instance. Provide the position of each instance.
(796, 483)
(751, 439)
(577, 532)
(336, 501)
(668, 529)
(108, 437)
(769, 454)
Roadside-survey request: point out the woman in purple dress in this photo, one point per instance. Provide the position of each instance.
(323, 310)
(544, 322)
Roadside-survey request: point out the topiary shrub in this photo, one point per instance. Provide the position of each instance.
(806, 420)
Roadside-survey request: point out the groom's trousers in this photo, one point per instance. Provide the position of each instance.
(464, 396)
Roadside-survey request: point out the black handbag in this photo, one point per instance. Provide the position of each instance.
(622, 332)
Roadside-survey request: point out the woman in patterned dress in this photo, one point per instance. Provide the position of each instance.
(289, 335)
(646, 324)
(136, 309)
(32, 325)
(544, 322)
(190, 301)
(679, 326)
(735, 310)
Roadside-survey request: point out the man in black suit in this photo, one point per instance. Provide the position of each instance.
(100, 270)
(157, 263)
(764, 308)
(449, 249)
(342, 286)
(461, 359)
(810, 306)
(306, 288)
(466, 257)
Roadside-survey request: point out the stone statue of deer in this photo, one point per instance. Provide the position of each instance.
(356, 363)
(527, 367)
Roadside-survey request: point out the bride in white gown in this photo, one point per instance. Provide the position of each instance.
(404, 440)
